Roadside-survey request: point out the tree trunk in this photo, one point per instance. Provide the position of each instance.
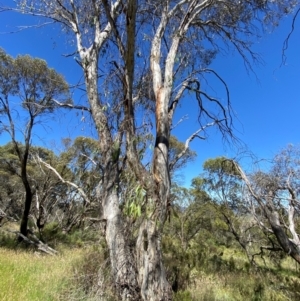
(123, 267)
(287, 245)
(28, 201)
(152, 277)
(28, 192)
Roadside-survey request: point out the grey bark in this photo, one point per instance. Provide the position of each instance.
(122, 265)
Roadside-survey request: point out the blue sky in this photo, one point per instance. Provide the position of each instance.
(266, 104)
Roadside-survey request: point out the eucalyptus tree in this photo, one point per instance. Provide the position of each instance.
(260, 208)
(11, 188)
(150, 54)
(47, 190)
(223, 182)
(27, 89)
(81, 158)
(274, 199)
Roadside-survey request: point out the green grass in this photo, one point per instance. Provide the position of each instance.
(72, 276)
(27, 276)
(225, 275)
(226, 279)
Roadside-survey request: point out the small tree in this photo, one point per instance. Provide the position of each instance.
(223, 182)
(274, 198)
(27, 90)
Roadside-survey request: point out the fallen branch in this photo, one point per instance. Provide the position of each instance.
(36, 242)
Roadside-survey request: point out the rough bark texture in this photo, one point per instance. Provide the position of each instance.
(122, 262)
(152, 278)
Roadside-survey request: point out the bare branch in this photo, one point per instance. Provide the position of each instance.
(82, 193)
(188, 141)
(185, 117)
(71, 106)
(114, 28)
(177, 98)
(22, 28)
(286, 41)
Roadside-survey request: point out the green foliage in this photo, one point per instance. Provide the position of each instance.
(221, 165)
(45, 186)
(8, 240)
(183, 296)
(199, 248)
(189, 236)
(33, 82)
(28, 88)
(82, 158)
(55, 236)
(222, 180)
(175, 148)
(235, 284)
(134, 202)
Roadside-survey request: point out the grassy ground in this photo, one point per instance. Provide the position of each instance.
(73, 275)
(27, 276)
(229, 278)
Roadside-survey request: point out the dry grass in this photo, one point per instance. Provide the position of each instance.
(30, 276)
(27, 276)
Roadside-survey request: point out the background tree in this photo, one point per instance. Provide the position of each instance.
(222, 181)
(179, 156)
(190, 217)
(274, 197)
(48, 192)
(27, 90)
(81, 158)
(11, 188)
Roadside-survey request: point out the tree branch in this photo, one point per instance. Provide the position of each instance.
(286, 41)
(63, 180)
(187, 143)
(70, 106)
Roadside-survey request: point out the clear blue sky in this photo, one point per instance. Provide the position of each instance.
(266, 104)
